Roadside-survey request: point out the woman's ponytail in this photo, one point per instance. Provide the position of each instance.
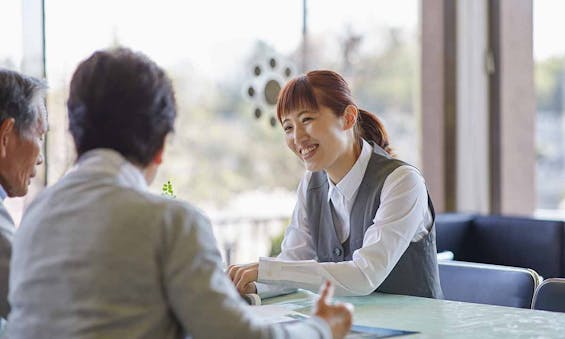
(372, 129)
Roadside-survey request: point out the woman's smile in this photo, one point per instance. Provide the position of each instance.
(308, 152)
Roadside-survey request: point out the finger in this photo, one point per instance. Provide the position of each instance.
(245, 278)
(344, 308)
(324, 289)
(348, 314)
(344, 313)
(349, 307)
(326, 293)
(240, 281)
(243, 287)
(232, 270)
(237, 273)
(251, 288)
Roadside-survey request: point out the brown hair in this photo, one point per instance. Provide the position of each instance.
(329, 89)
(122, 100)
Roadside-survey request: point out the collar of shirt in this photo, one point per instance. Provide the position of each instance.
(111, 163)
(349, 184)
(3, 193)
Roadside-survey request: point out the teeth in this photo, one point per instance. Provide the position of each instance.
(307, 150)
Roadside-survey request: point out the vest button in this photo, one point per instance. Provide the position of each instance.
(337, 251)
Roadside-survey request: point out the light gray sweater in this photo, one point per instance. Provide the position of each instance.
(6, 234)
(97, 256)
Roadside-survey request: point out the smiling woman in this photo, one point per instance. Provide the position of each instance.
(363, 219)
(336, 116)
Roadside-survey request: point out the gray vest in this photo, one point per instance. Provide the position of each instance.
(416, 273)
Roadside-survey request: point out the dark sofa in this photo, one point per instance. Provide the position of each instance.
(504, 240)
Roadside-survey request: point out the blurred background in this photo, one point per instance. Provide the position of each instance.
(472, 92)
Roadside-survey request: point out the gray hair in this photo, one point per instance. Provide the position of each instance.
(17, 95)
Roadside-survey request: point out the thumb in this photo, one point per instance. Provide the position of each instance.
(326, 292)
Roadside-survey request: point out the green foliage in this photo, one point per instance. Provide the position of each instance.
(549, 80)
(276, 243)
(168, 190)
(387, 81)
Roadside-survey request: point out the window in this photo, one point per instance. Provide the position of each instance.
(223, 56)
(549, 71)
(11, 21)
(374, 45)
(11, 57)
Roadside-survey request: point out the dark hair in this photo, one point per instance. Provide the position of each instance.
(17, 95)
(329, 89)
(122, 100)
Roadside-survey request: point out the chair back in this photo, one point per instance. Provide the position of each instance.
(550, 295)
(487, 284)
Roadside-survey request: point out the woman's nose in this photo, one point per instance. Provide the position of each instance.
(299, 134)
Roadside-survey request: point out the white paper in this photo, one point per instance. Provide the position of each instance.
(276, 314)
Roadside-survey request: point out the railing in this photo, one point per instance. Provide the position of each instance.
(243, 239)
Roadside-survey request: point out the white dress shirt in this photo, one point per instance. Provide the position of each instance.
(3, 193)
(403, 216)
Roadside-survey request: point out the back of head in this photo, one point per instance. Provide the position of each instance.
(18, 95)
(329, 89)
(121, 100)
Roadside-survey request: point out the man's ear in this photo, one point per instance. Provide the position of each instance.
(350, 116)
(6, 128)
(158, 159)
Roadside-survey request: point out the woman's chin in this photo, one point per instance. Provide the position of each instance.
(312, 167)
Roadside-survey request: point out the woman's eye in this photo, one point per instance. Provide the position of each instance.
(306, 119)
(287, 129)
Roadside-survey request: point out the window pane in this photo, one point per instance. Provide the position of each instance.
(549, 58)
(11, 50)
(374, 45)
(11, 37)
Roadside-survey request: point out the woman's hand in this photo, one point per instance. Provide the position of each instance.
(244, 277)
(338, 316)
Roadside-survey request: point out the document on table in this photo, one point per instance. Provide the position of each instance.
(278, 314)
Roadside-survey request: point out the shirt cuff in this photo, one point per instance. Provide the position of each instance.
(268, 291)
(285, 272)
(321, 325)
(268, 269)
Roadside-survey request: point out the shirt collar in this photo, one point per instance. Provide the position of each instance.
(111, 163)
(3, 193)
(349, 184)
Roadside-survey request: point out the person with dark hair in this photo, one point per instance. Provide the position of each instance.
(98, 256)
(363, 220)
(23, 123)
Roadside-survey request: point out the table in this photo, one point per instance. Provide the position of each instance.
(439, 318)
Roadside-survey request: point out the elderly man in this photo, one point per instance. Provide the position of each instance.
(22, 126)
(98, 256)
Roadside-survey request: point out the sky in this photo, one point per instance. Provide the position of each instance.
(549, 25)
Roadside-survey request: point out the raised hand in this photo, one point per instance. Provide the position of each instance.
(338, 316)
